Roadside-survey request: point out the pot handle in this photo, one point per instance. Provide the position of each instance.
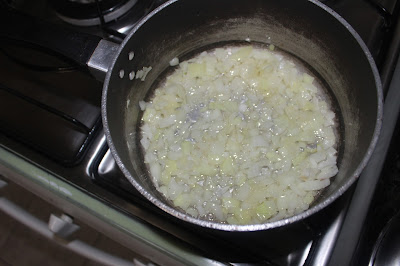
(76, 46)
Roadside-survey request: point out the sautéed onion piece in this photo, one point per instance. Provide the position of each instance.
(239, 135)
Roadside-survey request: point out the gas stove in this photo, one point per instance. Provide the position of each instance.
(52, 143)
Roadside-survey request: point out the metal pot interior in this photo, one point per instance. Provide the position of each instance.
(306, 29)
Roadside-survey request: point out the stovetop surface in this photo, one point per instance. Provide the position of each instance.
(385, 206)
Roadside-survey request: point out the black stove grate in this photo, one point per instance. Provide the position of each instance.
(46, 103)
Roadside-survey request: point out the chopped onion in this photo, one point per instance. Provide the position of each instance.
(239, 135)
(174, 61)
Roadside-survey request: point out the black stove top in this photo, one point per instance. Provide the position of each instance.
(48, 94)
(377, 236)
(50, 114)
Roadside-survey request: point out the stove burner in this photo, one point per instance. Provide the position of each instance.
(91, 12)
